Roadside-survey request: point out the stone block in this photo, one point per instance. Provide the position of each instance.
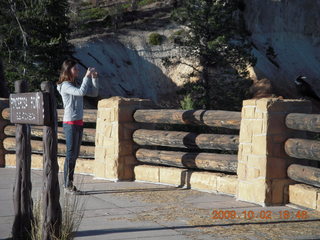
(147, 173)
(249, 102)
(227, 184)
(126, 131)
(259, 162)
(171, 175)
(100, 154)
(277, 168)
(204, 180)
(264, 104)
(303, 195)
(254, 173)
(276, 150)
(126, 148)
(112, 167)
(248, 112)
(99, 169)
(259, 127)
(318, 201)
(276, 124)
(259, 146)
(242, 171)
(246, 131)
(279, 191)
(259, 114)
(104, 114)
(252, 191)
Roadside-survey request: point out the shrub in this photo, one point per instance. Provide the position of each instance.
(187, 103)
(72, 214)
(155, 39)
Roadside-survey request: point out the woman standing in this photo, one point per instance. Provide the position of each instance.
(72, 93)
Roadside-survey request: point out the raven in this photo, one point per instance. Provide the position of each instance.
(304, 88)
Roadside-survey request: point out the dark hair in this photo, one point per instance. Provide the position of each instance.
(65, 73)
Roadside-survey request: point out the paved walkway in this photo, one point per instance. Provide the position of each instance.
(132, 210)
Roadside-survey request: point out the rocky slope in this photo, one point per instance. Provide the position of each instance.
(286, 37)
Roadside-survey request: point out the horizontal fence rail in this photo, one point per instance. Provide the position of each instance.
(212, 118)
(304, 174)
(89, 115)
(185, 140)
(86, 150)
(305, 122)
(37, 147)
(37, 131)
(303, 148)
(205, 161)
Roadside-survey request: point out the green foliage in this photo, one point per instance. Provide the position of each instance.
(217, 36)
(187, 103)
(34, 40)
(142, 3)
(155, 39)
(178, 37)
(92, 14)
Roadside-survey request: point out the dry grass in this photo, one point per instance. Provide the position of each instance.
(72, 215)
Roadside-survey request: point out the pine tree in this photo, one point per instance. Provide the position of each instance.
(217, 36)
(33, 39)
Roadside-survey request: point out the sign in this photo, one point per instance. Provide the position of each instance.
(30, 108)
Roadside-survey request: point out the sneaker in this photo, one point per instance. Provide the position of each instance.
(71, 190)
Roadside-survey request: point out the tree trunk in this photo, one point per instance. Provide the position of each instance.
(4, 91)
(22, 201)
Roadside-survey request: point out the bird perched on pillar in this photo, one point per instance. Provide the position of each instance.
(305, 89)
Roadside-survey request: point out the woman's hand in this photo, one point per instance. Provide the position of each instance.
(89, 72)
(94, 74)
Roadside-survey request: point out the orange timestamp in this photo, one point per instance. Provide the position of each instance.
(267, 215)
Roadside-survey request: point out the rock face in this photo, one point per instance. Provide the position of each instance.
(287, 41)
(130, 67)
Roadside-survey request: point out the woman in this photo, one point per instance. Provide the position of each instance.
(72, 93)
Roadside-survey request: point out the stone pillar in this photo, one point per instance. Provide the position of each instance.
(114, 150)
(4, 103)
(262, 161)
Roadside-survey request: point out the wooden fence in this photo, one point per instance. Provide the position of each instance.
(196, 143)
(304, 148)
(86, 151)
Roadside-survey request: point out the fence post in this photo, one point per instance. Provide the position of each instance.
(4, 103)
(114, 151)
(262, 161)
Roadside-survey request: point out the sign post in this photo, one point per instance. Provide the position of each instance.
(38, 108)
(22, 201)
(52, 215)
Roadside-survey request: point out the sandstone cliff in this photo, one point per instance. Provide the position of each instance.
(286, 37)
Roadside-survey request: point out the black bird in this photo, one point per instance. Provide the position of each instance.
(305, 89)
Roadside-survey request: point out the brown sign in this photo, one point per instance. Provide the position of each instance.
(30, 108)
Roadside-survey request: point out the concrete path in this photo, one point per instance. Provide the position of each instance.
(132, 210)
